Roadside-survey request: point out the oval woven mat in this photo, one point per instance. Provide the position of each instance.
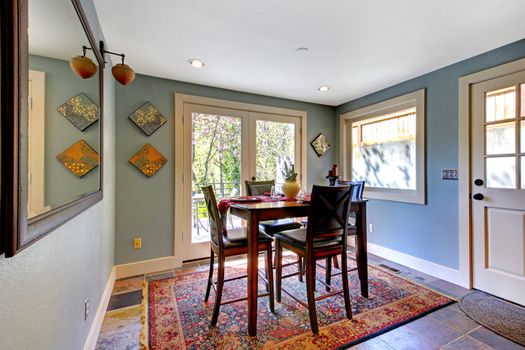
(502, 317)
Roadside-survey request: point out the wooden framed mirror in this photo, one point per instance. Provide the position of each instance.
(51, 119)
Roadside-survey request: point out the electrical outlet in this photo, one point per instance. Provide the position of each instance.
(370, 228)
(449, 174)
(137, 242)
(86, 309)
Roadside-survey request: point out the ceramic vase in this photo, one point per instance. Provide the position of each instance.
(291, 188)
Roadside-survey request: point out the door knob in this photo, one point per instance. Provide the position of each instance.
(478, 182)
(253, 178)
(478, 196)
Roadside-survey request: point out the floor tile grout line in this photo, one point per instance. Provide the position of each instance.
(453, 341)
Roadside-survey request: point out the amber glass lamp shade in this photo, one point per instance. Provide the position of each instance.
(123, 73)
(83, 66)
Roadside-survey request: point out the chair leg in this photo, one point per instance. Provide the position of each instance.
(210, 276)
(218, 296)
(328, 273)
(269, 276)
(336, 263)
(278, 269)
(310, 288)
(300, 265)
(266, 272)
(346, 288)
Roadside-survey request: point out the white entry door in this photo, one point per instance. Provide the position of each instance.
(498, 186)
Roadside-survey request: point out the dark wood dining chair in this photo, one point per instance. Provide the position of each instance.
(323, 238)
(358, 188)
(225, 243)
(270, 227)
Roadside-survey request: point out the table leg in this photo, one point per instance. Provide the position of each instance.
(361, 250)
(253, 233)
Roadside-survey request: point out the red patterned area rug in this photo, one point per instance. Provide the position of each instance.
(176, 317)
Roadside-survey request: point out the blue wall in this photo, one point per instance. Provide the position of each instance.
(145, 206)
(430, 232)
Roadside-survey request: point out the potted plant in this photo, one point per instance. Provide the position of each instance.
(291, 186)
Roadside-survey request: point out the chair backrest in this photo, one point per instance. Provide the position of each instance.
(357, 189)
(328, 215)
(217, 227)
(257, 188)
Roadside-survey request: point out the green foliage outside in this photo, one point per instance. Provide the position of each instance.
(217, 151)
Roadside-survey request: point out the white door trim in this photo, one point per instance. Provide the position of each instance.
(180, 100)
(37, 136)
(464, 173)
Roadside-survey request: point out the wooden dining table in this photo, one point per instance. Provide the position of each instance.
(255, 212)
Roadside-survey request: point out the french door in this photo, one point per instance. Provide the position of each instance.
(223, 147)
(498, 186)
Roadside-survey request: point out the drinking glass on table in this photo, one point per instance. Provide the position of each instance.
(274, 194)
(300, 196)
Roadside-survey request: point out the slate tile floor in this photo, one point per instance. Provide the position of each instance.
(447, 329)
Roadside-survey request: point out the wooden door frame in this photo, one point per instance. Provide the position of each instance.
(464, 163)
(180, 101)
(37, 98)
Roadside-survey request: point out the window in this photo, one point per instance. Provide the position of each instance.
(383, 144)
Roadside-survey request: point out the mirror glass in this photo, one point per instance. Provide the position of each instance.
(63, 118)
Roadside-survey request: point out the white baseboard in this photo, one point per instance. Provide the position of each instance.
(91, 340)
(440, 271)
(145, 266)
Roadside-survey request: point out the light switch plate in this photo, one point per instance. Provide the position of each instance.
(449, 174)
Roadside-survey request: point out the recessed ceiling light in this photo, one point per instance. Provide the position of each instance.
(323, 88)
(195, 63)
(301, 50)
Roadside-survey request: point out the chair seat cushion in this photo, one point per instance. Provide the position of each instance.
(271, 227)
(239, 237)
(298, 238)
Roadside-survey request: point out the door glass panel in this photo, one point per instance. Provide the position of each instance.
(216, 161)
(522, 169)
(522, 136)
(275, 143)
(501, 138)
(522, 104)
(500, 104)
(501, 172)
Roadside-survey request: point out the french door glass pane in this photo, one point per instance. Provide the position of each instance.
(501, 172)
(275, 143)
(500, 104)
(216, 161)
(522, 104)
(523, 173)
(501, 138)
(522, 136)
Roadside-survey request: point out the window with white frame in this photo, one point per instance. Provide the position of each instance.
(383, 144)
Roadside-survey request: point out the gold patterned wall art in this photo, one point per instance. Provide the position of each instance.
(79, 158)
(148, 160)
(148, 118)
(80, 111)
(320, 145)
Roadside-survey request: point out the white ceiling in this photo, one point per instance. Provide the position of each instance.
(55, 30)
(356, 47)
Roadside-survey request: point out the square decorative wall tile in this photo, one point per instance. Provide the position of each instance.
(80, 111)
(320, 145)
(79, 158)
(148, 118)
(148, 160)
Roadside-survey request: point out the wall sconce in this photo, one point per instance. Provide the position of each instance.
(85, 68)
